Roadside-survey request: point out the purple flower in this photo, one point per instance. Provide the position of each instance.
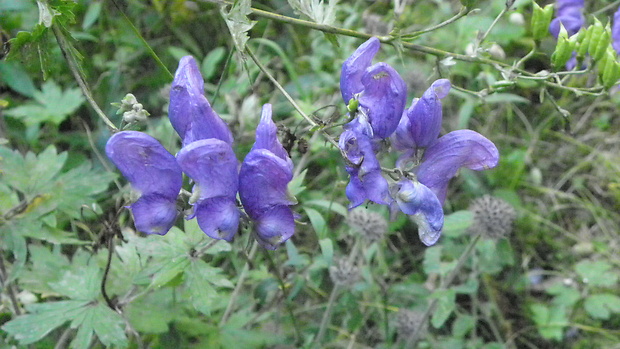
(212, 165)
(615, 31)
(425, 114)
(354, 67)
(363, 167)
(190, 113)
(443, 159)
(153, 172)
(381, 92)
(263, 180)
(417, 200)
(569, 14)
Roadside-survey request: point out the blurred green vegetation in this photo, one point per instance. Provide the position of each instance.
(65, 237)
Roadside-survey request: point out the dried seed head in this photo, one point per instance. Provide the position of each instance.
(407, 321)
(343, 272)
(493, 217)
(371, 224)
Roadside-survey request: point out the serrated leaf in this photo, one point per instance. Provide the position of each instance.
(54, 105)
(598, 273)
(446, 304)
(201, 282)
(153, 312)
(564, 296)
(457, 223)
(98, 319)
(462, 325)
(82, 281)
(238, 23)
(319, 11)
(549, 321)
(42, 319)
(601, 306)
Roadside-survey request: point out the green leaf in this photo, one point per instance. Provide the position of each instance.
(330, 205)
(601, 305)
(153, 312)
(92, 14)
(54, 105)
(457, 223)
(238, 23)
(201, 281)
(432, 260)
(209, 67)
(598, 273)
(98, 319)
(42, 319)
(564, 296)
(296, 186)
(549, 321)
(319, 11)
(82, 281)
(462, 325)
(317, 221)
(445, 306)
(13, 74)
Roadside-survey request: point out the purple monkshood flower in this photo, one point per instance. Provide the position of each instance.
(190, 113)
(154, 173)
(212, 165)
(434, 161)
(569, 14)
(615, 31)
(362, 165)
(263, 185)
(381, 92)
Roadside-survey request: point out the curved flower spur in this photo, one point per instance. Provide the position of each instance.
(154, 173)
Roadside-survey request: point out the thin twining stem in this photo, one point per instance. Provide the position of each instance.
(290, 99)
(486, 33)
(415, 336)
(464, 11)
(77, 74)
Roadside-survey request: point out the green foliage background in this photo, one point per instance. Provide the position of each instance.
(74, 273)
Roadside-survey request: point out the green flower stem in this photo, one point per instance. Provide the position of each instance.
(289, 305)
(415, 336)
(397, 42)
(67, 52)
(486, 33)
(146, 44)
(464, 11)
(242, 276)
(327, 315)
(308, 119)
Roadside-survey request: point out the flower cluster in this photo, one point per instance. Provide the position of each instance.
(376, 98)
(207, 158)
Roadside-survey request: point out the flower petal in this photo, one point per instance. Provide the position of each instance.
(355, 66)
(461, 148)
(383, 98)
(275, 226)
(425, 115)
(218, 217)
(263, 182)
(145, 163)
(189, 111)
(415, 199)
(154, 214)
(615, 31)
(569, 13)
(212, 164)
(267, 135)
